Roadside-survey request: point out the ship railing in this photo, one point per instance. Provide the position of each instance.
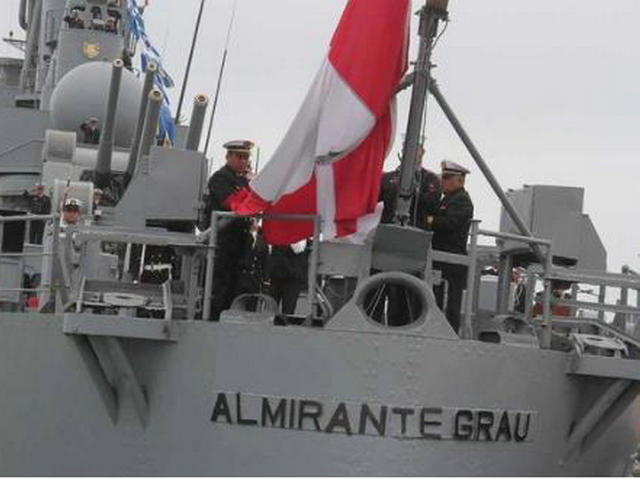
(211, 235)
(627, 316)
(52, 24)
(471, 261)
(127, 280)
(599, 285)
(13, 263)
(89, 21)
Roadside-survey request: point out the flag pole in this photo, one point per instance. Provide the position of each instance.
(188, 70)
(431, 14)
(220, 76)
(257, 161)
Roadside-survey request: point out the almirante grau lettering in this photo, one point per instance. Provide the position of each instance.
(391, 421)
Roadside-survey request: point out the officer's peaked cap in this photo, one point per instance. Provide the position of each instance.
(453, 168)
(240, 146)
(72, 203)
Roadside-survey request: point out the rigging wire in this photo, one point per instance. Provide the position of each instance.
(220, 77)
(189, 61)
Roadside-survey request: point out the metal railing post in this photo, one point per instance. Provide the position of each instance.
(504, 283)
(602, 296)
(55, 257)
(624, 301)
(546, 302)
(211, 255)
(467, 327)
(636, 318)
(313, 267)
(27, 231)
(529, 294)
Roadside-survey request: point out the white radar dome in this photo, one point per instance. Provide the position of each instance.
(82, 93)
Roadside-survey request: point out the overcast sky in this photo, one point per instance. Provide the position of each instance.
(547, 89)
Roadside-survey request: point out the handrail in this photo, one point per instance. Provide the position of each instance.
(20, 146)
(471, 261)
(517, 238)
(22, 255)
(211, 234)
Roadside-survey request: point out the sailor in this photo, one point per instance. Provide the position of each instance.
(252, 277)
(288, 274)
(113, 10)
(233, 236)
(96, 202)
(39, 204)
(450, 225)
(96, 12)
(110, 25)
(71, 211)
(91, 131)
(425, 202)
(74, 20)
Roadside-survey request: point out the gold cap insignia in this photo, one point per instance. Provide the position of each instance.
(91, 50)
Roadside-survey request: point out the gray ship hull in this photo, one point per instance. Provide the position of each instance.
(56, 422)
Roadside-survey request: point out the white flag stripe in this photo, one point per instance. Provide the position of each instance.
(332, 119)
(345, 121)
(326, 200)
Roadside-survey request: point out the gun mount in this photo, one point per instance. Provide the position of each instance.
(105, 150)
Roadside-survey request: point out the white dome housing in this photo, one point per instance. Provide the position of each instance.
(83, 92)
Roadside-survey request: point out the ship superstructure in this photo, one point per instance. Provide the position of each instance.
(110, 367)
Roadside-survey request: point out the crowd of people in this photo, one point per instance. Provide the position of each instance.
(81, 15)
(245, 264)
(441, 204)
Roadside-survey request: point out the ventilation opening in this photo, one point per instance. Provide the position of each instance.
(489, 337)
(394, 300)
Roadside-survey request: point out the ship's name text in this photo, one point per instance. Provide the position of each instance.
(351, 418)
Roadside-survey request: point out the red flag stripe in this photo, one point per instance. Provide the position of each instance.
(367, 33)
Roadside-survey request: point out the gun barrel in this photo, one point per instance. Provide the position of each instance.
(149, 80)
(150, 125)
(200, 104)
(105, 150)
(22, 15)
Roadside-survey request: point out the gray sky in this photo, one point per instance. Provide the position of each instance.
(548, 90)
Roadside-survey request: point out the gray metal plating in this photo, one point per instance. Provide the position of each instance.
(105, 372)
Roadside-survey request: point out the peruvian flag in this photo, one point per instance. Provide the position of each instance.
(330, 161)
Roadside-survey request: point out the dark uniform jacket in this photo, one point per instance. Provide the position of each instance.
(39, 205)
(222, 185)
(451, 223)
(253, 265)
(91, 135)
(285, 264)
(425, 203)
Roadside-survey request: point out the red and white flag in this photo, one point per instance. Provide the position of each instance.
(330, 161)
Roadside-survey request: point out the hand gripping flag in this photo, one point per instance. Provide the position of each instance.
(330, 161)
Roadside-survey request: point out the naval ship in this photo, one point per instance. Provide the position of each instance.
(108, 365)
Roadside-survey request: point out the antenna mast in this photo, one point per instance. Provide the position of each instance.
(220, 76)
(188, 70)
(431, 14)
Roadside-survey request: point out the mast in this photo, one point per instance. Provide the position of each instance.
(431, 14)
(220, 77)
(188, 70)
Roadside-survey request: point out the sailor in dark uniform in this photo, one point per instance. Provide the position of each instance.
(425, 202)
(233, 237)
(91, 131)
(288, 274)
(39, 204)
(450, 225)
